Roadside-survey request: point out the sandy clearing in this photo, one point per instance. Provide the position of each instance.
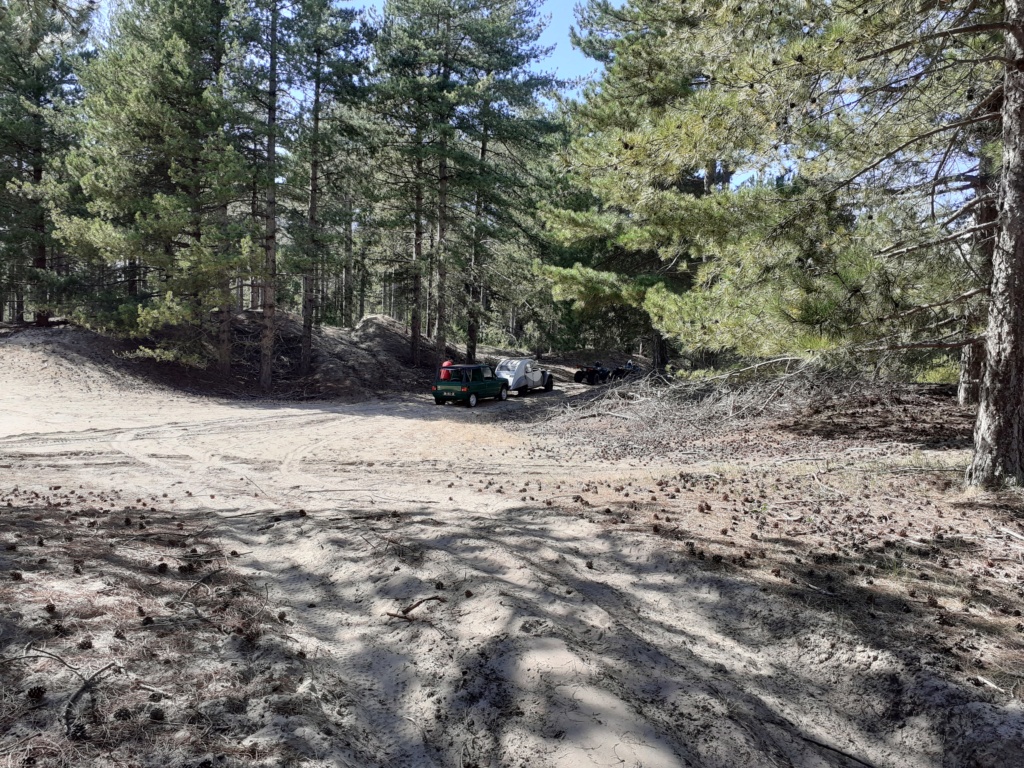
(560, 642)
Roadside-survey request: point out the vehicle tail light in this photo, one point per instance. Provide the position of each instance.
(465, 389)
(433, 388)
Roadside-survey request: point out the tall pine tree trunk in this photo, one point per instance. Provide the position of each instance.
(475, 287)
(999, 428)
(270, 243)
(442, 260)
(416, 321)
(364, 280)
(308, 288)
(42, 318)
(972, 357)
(348, 280)
(431, 293)
(226, 314)
(308, 310)
(224, 336)
(972, 367)
(255, 282)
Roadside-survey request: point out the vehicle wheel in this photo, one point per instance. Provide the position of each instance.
(578, 377)
(591, 378)
(503, 395)
(549, 383)
(472, 400)
(438, 401)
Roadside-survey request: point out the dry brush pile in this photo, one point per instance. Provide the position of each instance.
(845, 493)
(655, 415)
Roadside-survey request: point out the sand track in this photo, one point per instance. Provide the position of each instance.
(561, 641)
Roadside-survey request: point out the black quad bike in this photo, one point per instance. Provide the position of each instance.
(592, 374)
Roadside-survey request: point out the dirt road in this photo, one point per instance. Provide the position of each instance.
(553, 632)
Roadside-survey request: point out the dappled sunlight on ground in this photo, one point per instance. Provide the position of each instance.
(425, 585)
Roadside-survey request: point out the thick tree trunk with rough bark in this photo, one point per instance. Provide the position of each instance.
(270, 242)
(999, 428)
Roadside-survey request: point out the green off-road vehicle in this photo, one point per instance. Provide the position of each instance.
(468, 384)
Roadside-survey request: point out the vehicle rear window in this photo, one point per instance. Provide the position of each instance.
(478, 375)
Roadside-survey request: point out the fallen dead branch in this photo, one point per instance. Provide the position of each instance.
(198, 582)
(69, 717)
(1008, 532)
(989, 683)
(50, 655)
(404, 613)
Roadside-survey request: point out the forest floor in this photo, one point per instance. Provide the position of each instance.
(193, 581)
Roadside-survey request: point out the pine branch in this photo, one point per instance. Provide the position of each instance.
(924, 308)
(970, 29)
(941, 241)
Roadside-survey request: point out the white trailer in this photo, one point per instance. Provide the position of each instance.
(524, 374)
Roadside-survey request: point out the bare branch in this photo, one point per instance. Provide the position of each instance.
(934, 344)
(910, 142)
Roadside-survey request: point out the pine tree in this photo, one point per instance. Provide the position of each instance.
(324, 62)
(875, 113)
(456, 87)
(505, 125)
(271, 47)
(39, 45)
(419, 53)
(160, 171)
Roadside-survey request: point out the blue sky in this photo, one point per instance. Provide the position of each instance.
(566, 61)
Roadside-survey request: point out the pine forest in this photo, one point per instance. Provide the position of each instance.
(756, 285)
